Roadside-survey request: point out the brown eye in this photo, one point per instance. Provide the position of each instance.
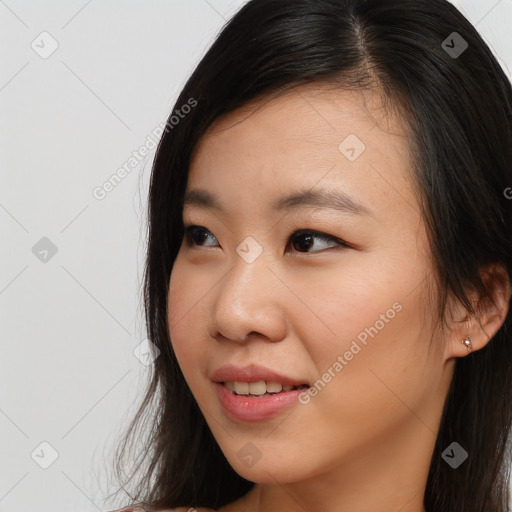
(196, 235)
(304, 240)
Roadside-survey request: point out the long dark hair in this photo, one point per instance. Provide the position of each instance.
(458, 106)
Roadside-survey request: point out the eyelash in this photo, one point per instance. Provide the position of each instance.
(192, 228)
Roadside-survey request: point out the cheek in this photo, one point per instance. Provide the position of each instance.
(177, 299)
(335, 304)
(183, 305)
(363, 324)
(376, 361)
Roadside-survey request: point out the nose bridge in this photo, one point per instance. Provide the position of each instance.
(246, 300)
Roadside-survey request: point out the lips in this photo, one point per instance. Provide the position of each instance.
(246, 408)
(254, 373)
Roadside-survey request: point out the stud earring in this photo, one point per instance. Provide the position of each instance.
(467, 339)
(467, 342)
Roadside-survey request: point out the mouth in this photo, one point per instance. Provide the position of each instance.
(258, 389)
(257, 400)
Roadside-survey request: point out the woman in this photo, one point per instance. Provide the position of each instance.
(328, 269)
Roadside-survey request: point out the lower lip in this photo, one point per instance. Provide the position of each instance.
(246, 408)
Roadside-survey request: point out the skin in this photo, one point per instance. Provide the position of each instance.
(365, 441)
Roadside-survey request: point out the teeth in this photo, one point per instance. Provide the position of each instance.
(242, 388)
(274, 387)
(258, 388)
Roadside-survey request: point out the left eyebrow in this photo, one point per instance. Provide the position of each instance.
(320, 198)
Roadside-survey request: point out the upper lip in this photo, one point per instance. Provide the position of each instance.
(252, 373)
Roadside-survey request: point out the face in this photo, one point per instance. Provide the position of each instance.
(332, 294)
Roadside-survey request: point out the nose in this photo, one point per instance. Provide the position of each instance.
(249, 300)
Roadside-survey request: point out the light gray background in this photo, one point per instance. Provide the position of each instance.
(69, 324)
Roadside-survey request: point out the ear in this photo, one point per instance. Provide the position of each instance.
(490, 311)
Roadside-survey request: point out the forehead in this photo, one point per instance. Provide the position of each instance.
(319, 112)
(354, 141)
